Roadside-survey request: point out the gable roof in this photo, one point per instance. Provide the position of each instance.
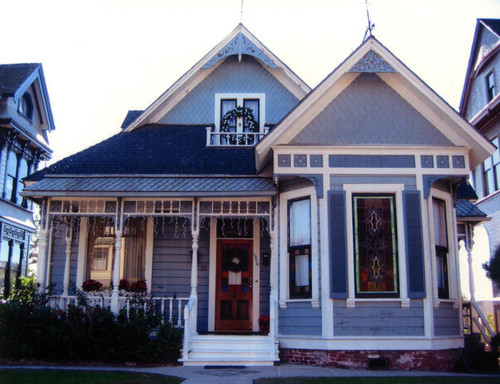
(155, 150)
(476, 63)
(239, 42)
(15, 79)
(371, 56)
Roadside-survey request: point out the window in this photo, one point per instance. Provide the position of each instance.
(491, 86)
(299, 248)
(375, 245)
(10, 265)
(242, 114)
(101, 251)
(441, 247)
(17, 169)
(491, 170)
(26, 106)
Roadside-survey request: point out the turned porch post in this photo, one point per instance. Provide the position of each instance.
(69, 237)
(115, 302)
(194, 265)
(42, 245)
(469, 243)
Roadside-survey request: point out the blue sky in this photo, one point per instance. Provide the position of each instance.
(104, 57)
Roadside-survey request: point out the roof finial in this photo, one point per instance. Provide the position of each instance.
(241, 13)
(371, 26)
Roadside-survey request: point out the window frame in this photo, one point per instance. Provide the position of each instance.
(26, 106)
(284, 269)
(399, 225)
(491, 170)
(491, 88)
(240, 99)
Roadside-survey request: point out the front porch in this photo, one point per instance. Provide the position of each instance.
(207, 263)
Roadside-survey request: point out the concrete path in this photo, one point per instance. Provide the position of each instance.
(246, 375)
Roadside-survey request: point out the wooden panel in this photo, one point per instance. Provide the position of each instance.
(299, 319)
(338, 244)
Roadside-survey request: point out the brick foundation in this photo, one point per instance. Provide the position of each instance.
(441, 360)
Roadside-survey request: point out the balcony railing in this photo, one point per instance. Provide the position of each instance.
(234, 139)
(171, 309)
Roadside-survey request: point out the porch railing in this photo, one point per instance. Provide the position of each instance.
(170, 308)
(473, 317)
(190, 325)
(238, 139)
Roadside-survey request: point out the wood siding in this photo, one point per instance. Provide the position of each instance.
(378, 319)
(299, 319)
(446, 320)
(58, 260)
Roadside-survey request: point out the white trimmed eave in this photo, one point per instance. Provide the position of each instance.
(403, 81)
(197, 74)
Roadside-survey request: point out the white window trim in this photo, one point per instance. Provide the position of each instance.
(452, 242)
(239, 102)
(397, 190)
(284, 292)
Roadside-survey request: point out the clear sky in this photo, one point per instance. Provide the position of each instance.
(104, 57)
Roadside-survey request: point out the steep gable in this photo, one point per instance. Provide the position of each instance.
(368, 111)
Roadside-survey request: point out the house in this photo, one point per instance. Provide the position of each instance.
(25, 121)
(480, 105)
(241, 195)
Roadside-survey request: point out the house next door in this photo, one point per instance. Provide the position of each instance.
(233, 304)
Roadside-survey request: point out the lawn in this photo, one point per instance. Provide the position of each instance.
(44, 376)
(383, 380)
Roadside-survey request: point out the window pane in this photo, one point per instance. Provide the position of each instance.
(23, 172)
(300, 223)
(253, 104)
(226, 106)
(100, 251)
(439, 214)
(135, 249)
(375, 245)
(302, 270)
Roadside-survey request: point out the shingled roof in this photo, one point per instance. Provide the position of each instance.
(155, 150)
(12, 76)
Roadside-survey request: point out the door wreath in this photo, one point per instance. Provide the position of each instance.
(234, 260)
(248, 119)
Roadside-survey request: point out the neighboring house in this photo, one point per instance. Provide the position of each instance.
(480, 105)
(25, 120)
(244, 194)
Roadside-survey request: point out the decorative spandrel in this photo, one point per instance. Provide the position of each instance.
(373, 63)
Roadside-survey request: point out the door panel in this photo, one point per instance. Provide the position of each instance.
(233, 302)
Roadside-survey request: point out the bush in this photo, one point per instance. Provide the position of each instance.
(492, 267)
(30, 329)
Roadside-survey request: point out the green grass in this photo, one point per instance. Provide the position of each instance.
(383, 380)
(53, 376)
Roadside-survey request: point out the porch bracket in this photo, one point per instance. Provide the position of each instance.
(315, 178)
(429, 180)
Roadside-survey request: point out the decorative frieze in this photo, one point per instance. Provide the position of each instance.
(300, 161)
(442, 161)
(14, 233)
(372, 62)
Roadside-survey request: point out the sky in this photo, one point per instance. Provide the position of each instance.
(102, 58)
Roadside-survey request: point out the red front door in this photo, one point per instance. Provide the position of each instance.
(233, 304)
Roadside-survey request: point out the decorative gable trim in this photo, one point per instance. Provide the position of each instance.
(372, 62)
(240, 45)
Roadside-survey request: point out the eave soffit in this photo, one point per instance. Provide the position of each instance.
(372, 56)
(239, 42)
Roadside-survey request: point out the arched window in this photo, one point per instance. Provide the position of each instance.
(26, 106)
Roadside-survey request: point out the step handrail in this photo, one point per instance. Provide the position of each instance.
(482, 325)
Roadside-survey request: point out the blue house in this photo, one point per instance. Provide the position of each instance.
(25, 123)
(271, 221)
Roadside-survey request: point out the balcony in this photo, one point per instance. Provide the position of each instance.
(234, 139)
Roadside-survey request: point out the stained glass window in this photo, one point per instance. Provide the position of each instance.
(375, 245)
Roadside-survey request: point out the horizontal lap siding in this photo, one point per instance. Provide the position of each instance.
(378, 319)
(265, 272)
(446, 320)
(58, 260)
(300, 319)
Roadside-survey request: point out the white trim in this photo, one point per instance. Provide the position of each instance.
(256, 275)
(284, 295)
(396, 189)
(149, 253)
(82, 252)
(212, 268)
(365, 343)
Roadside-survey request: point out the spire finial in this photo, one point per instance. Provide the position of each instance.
(371, 26)
(241, 13)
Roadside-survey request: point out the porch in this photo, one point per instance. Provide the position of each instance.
(207, 264)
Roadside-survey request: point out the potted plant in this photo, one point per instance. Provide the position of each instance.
(91, 286)
(264, 325)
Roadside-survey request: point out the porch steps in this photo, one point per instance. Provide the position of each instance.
(233, 350)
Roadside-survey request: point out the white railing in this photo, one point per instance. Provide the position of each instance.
(234, 139)
(169, 307)
(189, 325)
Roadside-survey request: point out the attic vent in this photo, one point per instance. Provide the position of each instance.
(372, 62)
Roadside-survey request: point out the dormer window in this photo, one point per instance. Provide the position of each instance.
(491, 88)
(26, 106)
(239, 119)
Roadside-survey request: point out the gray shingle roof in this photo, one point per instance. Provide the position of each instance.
(467, 209)
(152, 186)
(12, 76)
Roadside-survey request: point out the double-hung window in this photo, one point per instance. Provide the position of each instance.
(491, 170)
(441, 248)
(491, 88)
(299, 248)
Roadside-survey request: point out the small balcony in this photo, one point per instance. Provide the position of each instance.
(234, 139)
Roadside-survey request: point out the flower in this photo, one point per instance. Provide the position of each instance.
(124, 284)
(91, 285)
(264, 324)
(139, 287)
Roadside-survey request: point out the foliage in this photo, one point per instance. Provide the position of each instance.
(493, 266)
(31, 329)
(91, 285)
(55, 376)
(27, 293)
(139, 287)
(124, 284)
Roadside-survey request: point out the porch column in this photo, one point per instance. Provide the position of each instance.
(69, 237)
(273, 308)
(115, 304)
(469, 243)
(42, 257)
(194, 265)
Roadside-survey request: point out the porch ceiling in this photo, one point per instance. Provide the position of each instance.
(151, 186)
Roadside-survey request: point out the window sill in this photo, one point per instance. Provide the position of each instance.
(437, 302)
(314, 302)
(351, 303)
